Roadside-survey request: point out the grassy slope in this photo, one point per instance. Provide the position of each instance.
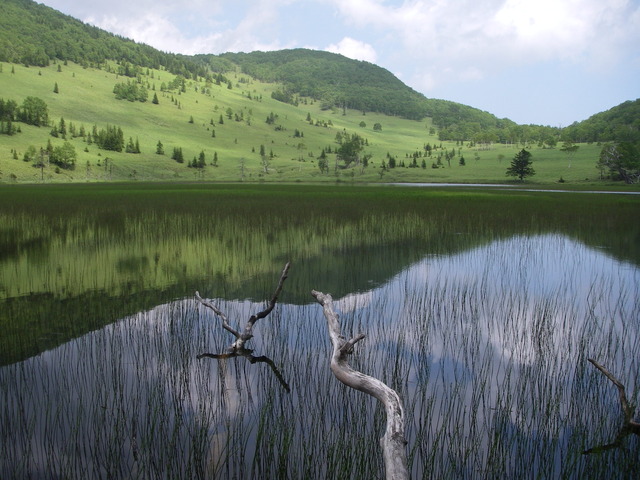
(86, 98)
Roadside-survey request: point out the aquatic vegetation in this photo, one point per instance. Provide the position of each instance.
(483, 327)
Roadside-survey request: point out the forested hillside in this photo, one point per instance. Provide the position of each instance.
(337, 81)
(334, 80)
(34, 34)
(618, 124)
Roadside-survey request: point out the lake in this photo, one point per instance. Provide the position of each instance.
(480, 307)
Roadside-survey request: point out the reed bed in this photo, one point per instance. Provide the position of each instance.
(492, 370)
(484, 333)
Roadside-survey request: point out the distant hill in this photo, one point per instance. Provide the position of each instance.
(619, 124)
(338, 81)
(335, 80)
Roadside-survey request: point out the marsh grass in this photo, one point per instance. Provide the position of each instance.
(483, 328)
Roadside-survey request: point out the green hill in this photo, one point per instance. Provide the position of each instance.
(34, 34)
(339, 82)
(80, 104)
(232, 131)
(618, 124)
(333, 80)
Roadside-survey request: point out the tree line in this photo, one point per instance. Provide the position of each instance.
(32, 111)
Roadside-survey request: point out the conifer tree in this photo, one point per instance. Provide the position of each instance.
(521, 165)
(177, 155)
(131, 148)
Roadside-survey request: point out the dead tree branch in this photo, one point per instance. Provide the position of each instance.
(237, 349)
(393, 442)
(223, 317)
(626, 408)
(630, 426)
(247, 334)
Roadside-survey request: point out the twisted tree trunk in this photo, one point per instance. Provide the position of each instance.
(393, 442)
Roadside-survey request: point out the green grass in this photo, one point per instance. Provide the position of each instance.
(85, 98)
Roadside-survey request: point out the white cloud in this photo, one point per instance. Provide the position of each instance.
(423, 81)
(432, 34)
(552, 29)
(354, 301)
(153, 30)
(354, 49)
(211, 32)
(482, 37)
(247, 36)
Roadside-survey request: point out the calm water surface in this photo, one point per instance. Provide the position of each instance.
(487, 347)
(481, 313)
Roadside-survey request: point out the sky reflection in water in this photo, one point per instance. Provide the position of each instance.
(487, 347)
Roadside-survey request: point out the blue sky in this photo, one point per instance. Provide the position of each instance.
(547, 62)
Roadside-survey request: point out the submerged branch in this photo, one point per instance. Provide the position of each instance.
(630, 426)
(626, 408)
(393, 442)
(248, 329)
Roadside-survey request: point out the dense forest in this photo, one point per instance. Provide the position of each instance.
(619, 124)
(34, 34)
(335, 80)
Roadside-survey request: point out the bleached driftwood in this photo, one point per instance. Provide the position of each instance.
(630, 426)
(393, 442)
(237, 348)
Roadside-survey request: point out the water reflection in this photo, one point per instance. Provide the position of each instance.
(496, 339)
(487, 349)
(248, 355)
